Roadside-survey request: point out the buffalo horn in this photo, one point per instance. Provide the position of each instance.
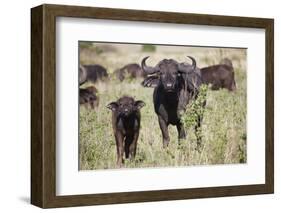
(147, 69)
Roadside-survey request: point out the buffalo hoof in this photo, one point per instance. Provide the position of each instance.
(181, 141)
(120, 163)
(165, 143)
(199, 147)
(118, 166)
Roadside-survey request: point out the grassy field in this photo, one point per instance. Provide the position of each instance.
(224, 123)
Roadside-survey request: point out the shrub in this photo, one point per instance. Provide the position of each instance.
(148, 48)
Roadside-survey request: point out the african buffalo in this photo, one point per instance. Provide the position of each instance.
(88, 97)
(175, 85)
(126, 120)
(220, 75)
(130, 70)
(96, 73)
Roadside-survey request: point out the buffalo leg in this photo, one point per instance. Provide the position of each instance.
(128, 143)
(181, 131)
(233, 86)
(230, 84)
(120, 149)
(133, 145)
(164, 129)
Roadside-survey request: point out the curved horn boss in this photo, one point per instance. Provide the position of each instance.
(184, 68)
(147, 69)
(193, 62)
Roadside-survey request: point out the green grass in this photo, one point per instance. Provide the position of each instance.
(148, 48)
(223, 129)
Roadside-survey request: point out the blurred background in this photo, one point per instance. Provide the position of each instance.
(105, 53)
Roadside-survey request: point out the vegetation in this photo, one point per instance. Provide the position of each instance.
(148, 48)
(224, 117)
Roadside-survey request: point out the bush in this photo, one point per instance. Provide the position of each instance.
(148, 48)
(195, 109)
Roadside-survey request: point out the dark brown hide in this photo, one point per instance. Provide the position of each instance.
(175, 85)
(126, 118)
(96, 73)
(219, 76)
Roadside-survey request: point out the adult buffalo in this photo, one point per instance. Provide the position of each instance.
(131, 71)
(96, 73)
(175, 85)
(220, 75)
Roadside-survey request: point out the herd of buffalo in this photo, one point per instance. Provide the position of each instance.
(175, 85)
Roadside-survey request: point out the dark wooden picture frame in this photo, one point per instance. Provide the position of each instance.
(43, 105)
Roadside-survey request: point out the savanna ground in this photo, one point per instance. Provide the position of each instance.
(224, 123)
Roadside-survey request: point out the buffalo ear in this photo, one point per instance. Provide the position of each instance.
(112, 106)
(139, 104)
(151, 81)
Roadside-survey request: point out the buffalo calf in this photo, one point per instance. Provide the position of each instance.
(126, 120)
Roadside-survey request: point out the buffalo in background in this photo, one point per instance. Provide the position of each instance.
(220, 75)
(88, 97)
(176, 84)
(95, 73)
(131, 71)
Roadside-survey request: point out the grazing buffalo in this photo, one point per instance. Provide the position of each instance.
(126, 120)
(220, 75)
(96, 73)
(88, 97)
(131, 71)
(175, 85)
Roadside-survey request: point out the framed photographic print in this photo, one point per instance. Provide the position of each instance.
(136, 106)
